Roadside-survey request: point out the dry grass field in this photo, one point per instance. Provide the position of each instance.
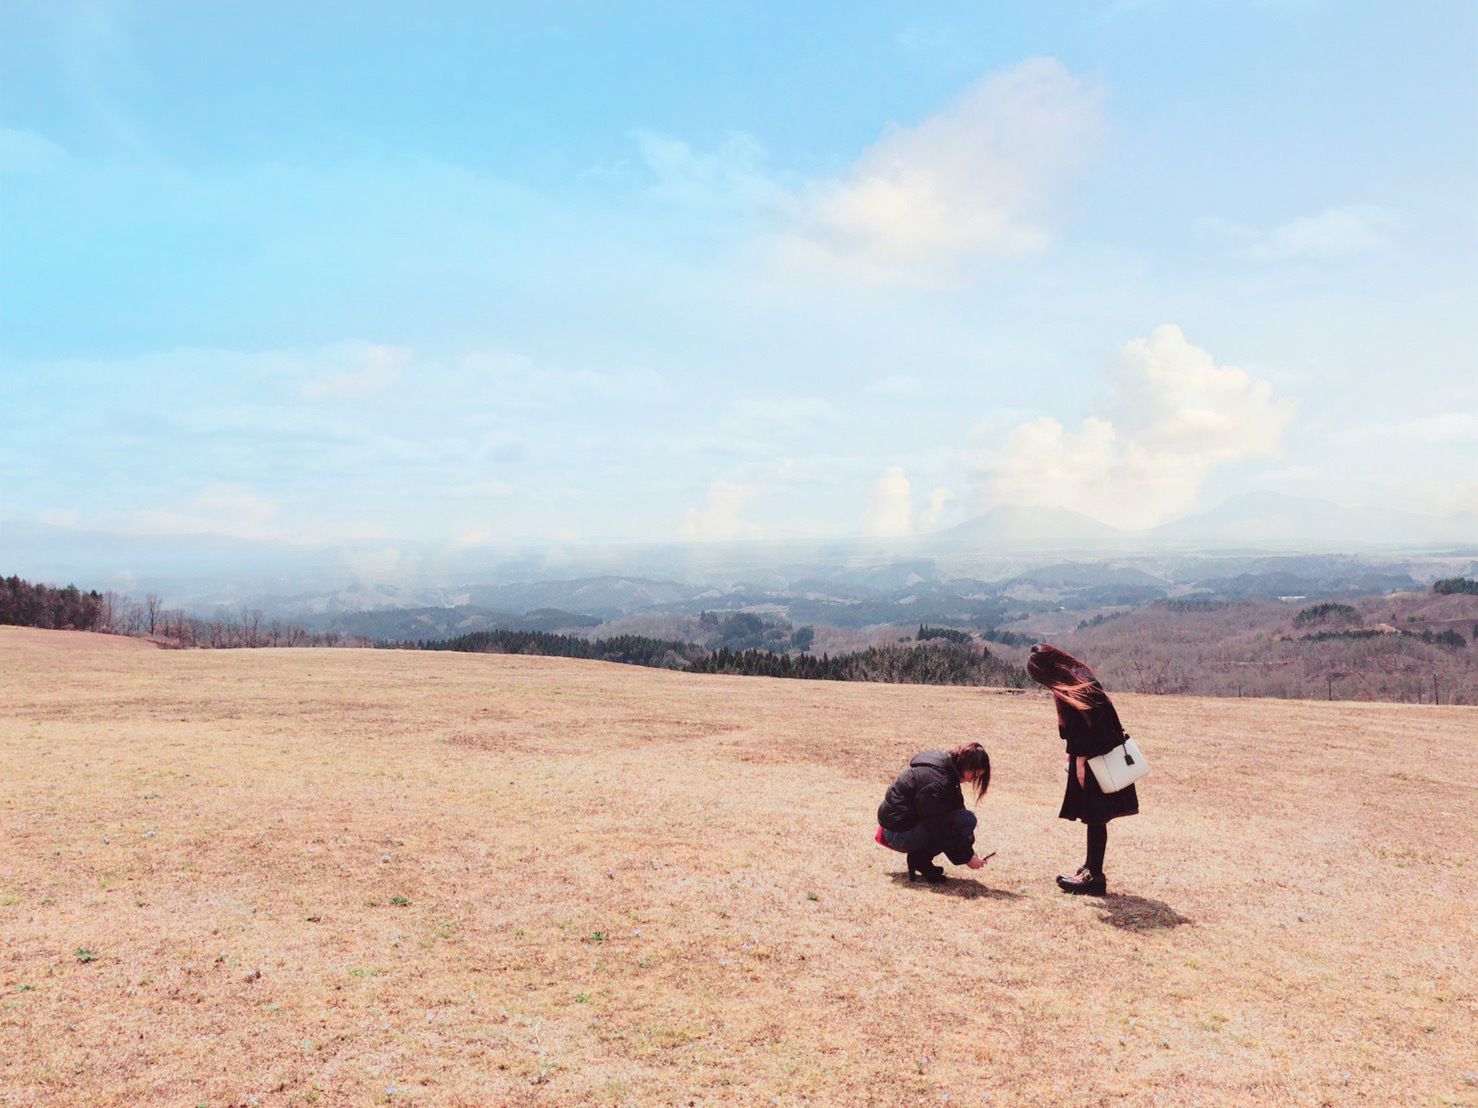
(346, 877)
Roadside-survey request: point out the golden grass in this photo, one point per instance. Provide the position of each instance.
(365, 877)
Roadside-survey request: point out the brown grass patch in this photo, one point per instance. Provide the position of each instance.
(356, 877)
(30, 638)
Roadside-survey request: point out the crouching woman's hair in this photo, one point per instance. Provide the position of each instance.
(972, 758)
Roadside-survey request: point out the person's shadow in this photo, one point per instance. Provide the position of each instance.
(1139, 913)
(966, 888)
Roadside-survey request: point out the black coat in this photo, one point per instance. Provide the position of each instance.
(927, 792)
(1088, 733)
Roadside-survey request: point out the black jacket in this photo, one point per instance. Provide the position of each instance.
(1093, 731)
(1088, 733)
(927, 792)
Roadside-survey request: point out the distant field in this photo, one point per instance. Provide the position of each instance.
(344, 877)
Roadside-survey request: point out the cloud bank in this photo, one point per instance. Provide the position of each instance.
(979, 180)
(889, 505)
(719, 517)
(377, 368)
(1174, 416)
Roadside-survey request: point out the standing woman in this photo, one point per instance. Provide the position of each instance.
(924, 813)
(1090, 726)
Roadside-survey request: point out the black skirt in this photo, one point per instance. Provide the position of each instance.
(1091, 804)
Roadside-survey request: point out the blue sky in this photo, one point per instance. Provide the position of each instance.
(489, 273)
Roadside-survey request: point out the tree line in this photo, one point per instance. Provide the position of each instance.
(1317, 613)
(938, 663)
(747, 631)
(1449, 585)
(949, 634)
(636, 650)
(25, 604)
(1449, 637)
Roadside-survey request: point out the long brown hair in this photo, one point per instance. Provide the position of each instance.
(1070, 681)
(968, 759)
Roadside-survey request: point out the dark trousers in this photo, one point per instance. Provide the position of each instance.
(918, 843)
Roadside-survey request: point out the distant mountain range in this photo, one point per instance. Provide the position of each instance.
(997, 557)
(913, 593)
(1014, 528)
(1252, 521)
(1291, 522)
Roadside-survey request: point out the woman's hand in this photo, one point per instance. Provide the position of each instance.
(1082, 773)
(976, 861)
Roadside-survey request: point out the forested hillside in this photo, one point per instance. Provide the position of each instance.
(23, 604)
(959, 662)
(1404, 646)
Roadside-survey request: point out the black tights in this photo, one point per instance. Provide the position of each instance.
(1097, 844)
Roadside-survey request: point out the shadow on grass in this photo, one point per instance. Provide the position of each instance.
(1139, 913)
(966, 888)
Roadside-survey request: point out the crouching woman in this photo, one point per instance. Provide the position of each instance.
(924, 813)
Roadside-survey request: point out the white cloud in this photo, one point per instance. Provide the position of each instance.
(978, 180)
(377, 368)
(938, 500)
(222, 509)
(889, 505)
(1174, 417)
(1170, 397)
(60, 517)
(890, 510)
(1333, 234)
(386, 563)
(718, 516)
(217, 509)
(1336, 233)
(732, 174)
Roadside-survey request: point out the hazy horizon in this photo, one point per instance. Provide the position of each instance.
(655, 275)
(1270, 532)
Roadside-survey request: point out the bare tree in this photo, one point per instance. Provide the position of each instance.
(1331, 678)
(112, 603)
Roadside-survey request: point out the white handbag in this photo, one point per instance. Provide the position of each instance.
(1120, 767)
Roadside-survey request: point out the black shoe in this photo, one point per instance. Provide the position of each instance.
(1087, 884)
(927, 870)
(1083, 874)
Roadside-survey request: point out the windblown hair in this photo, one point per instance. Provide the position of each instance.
(968, 759)
(1070, 681)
